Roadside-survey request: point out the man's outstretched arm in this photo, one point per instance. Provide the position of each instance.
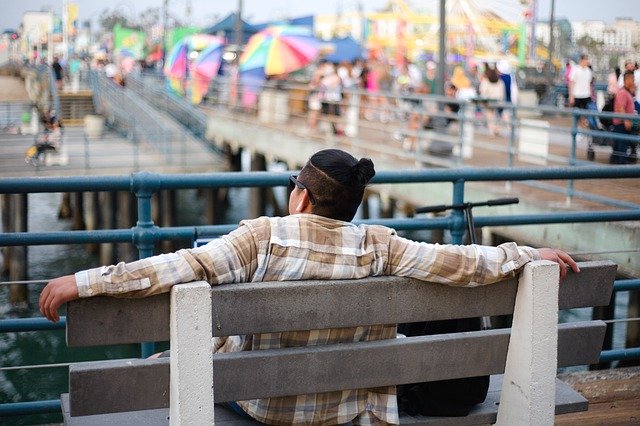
(225, 260)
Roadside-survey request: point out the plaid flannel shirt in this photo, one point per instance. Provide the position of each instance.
(306, 246)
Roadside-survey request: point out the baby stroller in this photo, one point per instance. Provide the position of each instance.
(45, 143)
(601, 124)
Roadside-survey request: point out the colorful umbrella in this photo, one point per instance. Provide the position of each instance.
(175, 66)
(279, 50)
(178, 66)
(205, 68)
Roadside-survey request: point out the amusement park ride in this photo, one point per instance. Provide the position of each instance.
(486, 30)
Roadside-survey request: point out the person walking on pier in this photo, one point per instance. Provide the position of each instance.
(57, 72)
(623, 103)
(580, 86)
(315, 241)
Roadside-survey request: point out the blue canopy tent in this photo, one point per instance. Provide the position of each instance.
(305, 21)
(346, 49)
(228, 27)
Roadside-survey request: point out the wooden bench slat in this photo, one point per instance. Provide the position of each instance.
(106, 386)
(282, 306)
(567, 400)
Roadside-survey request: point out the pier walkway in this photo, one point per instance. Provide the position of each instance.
(110, 154)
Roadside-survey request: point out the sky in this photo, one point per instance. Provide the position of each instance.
(205, 12)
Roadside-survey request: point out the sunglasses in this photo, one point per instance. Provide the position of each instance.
(294, 182)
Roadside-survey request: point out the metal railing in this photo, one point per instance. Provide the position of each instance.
(136, 119)
(145, 234)
(154, 92)
(389, 115)
(11, 114)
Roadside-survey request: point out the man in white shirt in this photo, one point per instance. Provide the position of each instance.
(580, 84)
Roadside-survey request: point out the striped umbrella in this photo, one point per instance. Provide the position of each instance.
(278, 50)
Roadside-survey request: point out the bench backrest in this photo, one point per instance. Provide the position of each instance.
(106, 386)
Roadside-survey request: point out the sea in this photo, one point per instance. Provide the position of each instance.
(48, 347)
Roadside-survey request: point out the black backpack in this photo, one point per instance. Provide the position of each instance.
(450, 398)
(607, 122)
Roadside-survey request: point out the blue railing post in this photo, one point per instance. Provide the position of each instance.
(457, 226)
(143, 236)
(461, 116)
(572, 156)
(136, 147)
(86, 150)
(512, 136)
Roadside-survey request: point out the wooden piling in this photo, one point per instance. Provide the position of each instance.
(364, 207)
(257, 196)
(64, 212)
(77, 211)
(633, 327)
(108, 202)
(91, 217)
(167, 215)
(126, 214)
(387, 207)
(18, 255)
(606, 313)
(5, 200)
(212, 206)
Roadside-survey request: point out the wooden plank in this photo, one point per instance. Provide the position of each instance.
(567, 401)
(607, 385)
(623, 412)
(303, 305)
(105, 386)
(156, 417)
(122, 386)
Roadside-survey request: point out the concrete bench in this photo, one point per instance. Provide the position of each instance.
(182, 388)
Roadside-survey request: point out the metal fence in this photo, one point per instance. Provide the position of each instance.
(11, 115)
(135, 118)
(145, 234)
(438, 135)
(154, 92)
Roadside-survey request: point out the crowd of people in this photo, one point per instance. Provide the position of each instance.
(390, 89)
(387, 89)
(381, 80)
(623, 96)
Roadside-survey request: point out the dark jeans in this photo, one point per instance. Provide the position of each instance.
(620, 146)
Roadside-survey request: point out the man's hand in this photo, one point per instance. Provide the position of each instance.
(56, 292)
(561, 258)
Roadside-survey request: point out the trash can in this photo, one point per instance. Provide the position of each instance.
(273, 106)
(93, 126)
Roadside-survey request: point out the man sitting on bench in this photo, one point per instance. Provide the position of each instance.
(316, 241)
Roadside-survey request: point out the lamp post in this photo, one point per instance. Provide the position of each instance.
(551, 44)
(165, 19)
(442, 54)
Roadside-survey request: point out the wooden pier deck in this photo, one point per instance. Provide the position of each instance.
(614, 397)
(110, 154)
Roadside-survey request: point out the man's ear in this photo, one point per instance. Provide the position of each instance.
(304, 205)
